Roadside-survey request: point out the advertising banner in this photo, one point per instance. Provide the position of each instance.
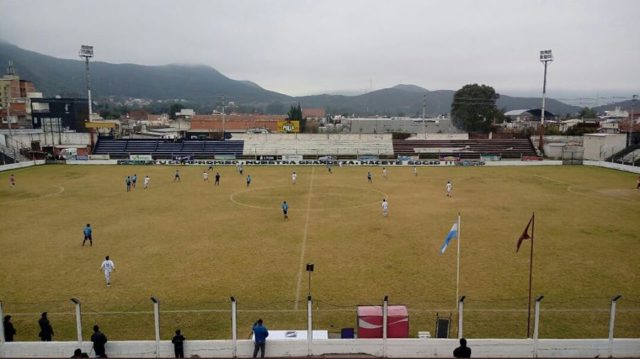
(289, 126)
(225, 157)
(292, 157)
(140, 157)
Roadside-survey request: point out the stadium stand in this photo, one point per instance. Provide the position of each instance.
(167, 149)
(465, 149)
(317, 144)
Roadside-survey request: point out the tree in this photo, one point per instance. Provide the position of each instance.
(295, 114)
(176, 107)
(474, 108)
(588, 113)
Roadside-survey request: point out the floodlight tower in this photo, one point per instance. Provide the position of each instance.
(545, 57)
(86, 52)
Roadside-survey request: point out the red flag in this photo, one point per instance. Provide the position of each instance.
(525, 234)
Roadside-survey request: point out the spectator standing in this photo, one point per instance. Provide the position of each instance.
(260, 334)
(99, 340)
(178, 344)
(46, 330)
(463, 351)
(88, 232)
(9, 330)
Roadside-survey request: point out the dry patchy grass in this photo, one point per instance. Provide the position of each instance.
(193, 245)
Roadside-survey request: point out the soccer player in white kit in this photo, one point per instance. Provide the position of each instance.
(449, 189)
(146, 182)
(384, 172)
(385, 207)
(205, 176)
(294, 176)
(107, 267)
(415, 170)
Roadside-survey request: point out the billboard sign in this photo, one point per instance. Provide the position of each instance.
(140, 157)
(289, 126)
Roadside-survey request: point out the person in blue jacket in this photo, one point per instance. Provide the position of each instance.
(260, 334)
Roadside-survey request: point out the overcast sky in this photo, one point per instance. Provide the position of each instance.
(303, 47)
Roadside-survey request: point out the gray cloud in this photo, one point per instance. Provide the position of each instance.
(301, 47)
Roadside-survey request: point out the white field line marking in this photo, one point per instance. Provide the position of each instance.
(570, 188)
(304, 241)
(60, 190)
(146, 312)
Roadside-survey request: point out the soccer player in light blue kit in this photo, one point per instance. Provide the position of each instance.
(87, 235)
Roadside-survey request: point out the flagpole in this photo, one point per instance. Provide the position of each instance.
(533, 226)
(458, 262)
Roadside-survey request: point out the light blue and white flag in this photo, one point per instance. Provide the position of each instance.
(452, 233)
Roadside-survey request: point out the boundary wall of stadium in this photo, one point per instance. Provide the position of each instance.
(610, 165)
(391, 348)
(17, 165)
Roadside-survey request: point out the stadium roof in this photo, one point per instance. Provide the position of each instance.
(534, 112)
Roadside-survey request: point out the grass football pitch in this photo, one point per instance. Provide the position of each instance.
(193, 245)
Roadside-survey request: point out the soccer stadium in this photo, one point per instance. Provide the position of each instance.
(192, 244)
(319, 179)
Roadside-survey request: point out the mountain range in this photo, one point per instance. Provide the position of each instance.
(205, 86)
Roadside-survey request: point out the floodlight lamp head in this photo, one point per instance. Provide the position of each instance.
(75, 300)
(310, 267)
(539, 299)
(86, 51)
(615, 299)
(546, 56)
(462, 298)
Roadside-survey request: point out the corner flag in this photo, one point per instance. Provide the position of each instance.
(452, 233)
(525, 234)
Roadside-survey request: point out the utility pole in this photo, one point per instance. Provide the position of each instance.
(545, 57)
(634, 99)
(86, 52)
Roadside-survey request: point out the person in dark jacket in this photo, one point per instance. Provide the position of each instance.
(99, 340)
(463, 351)
(46, 330)
(260, 334)
(178, 344)
(9, 330)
